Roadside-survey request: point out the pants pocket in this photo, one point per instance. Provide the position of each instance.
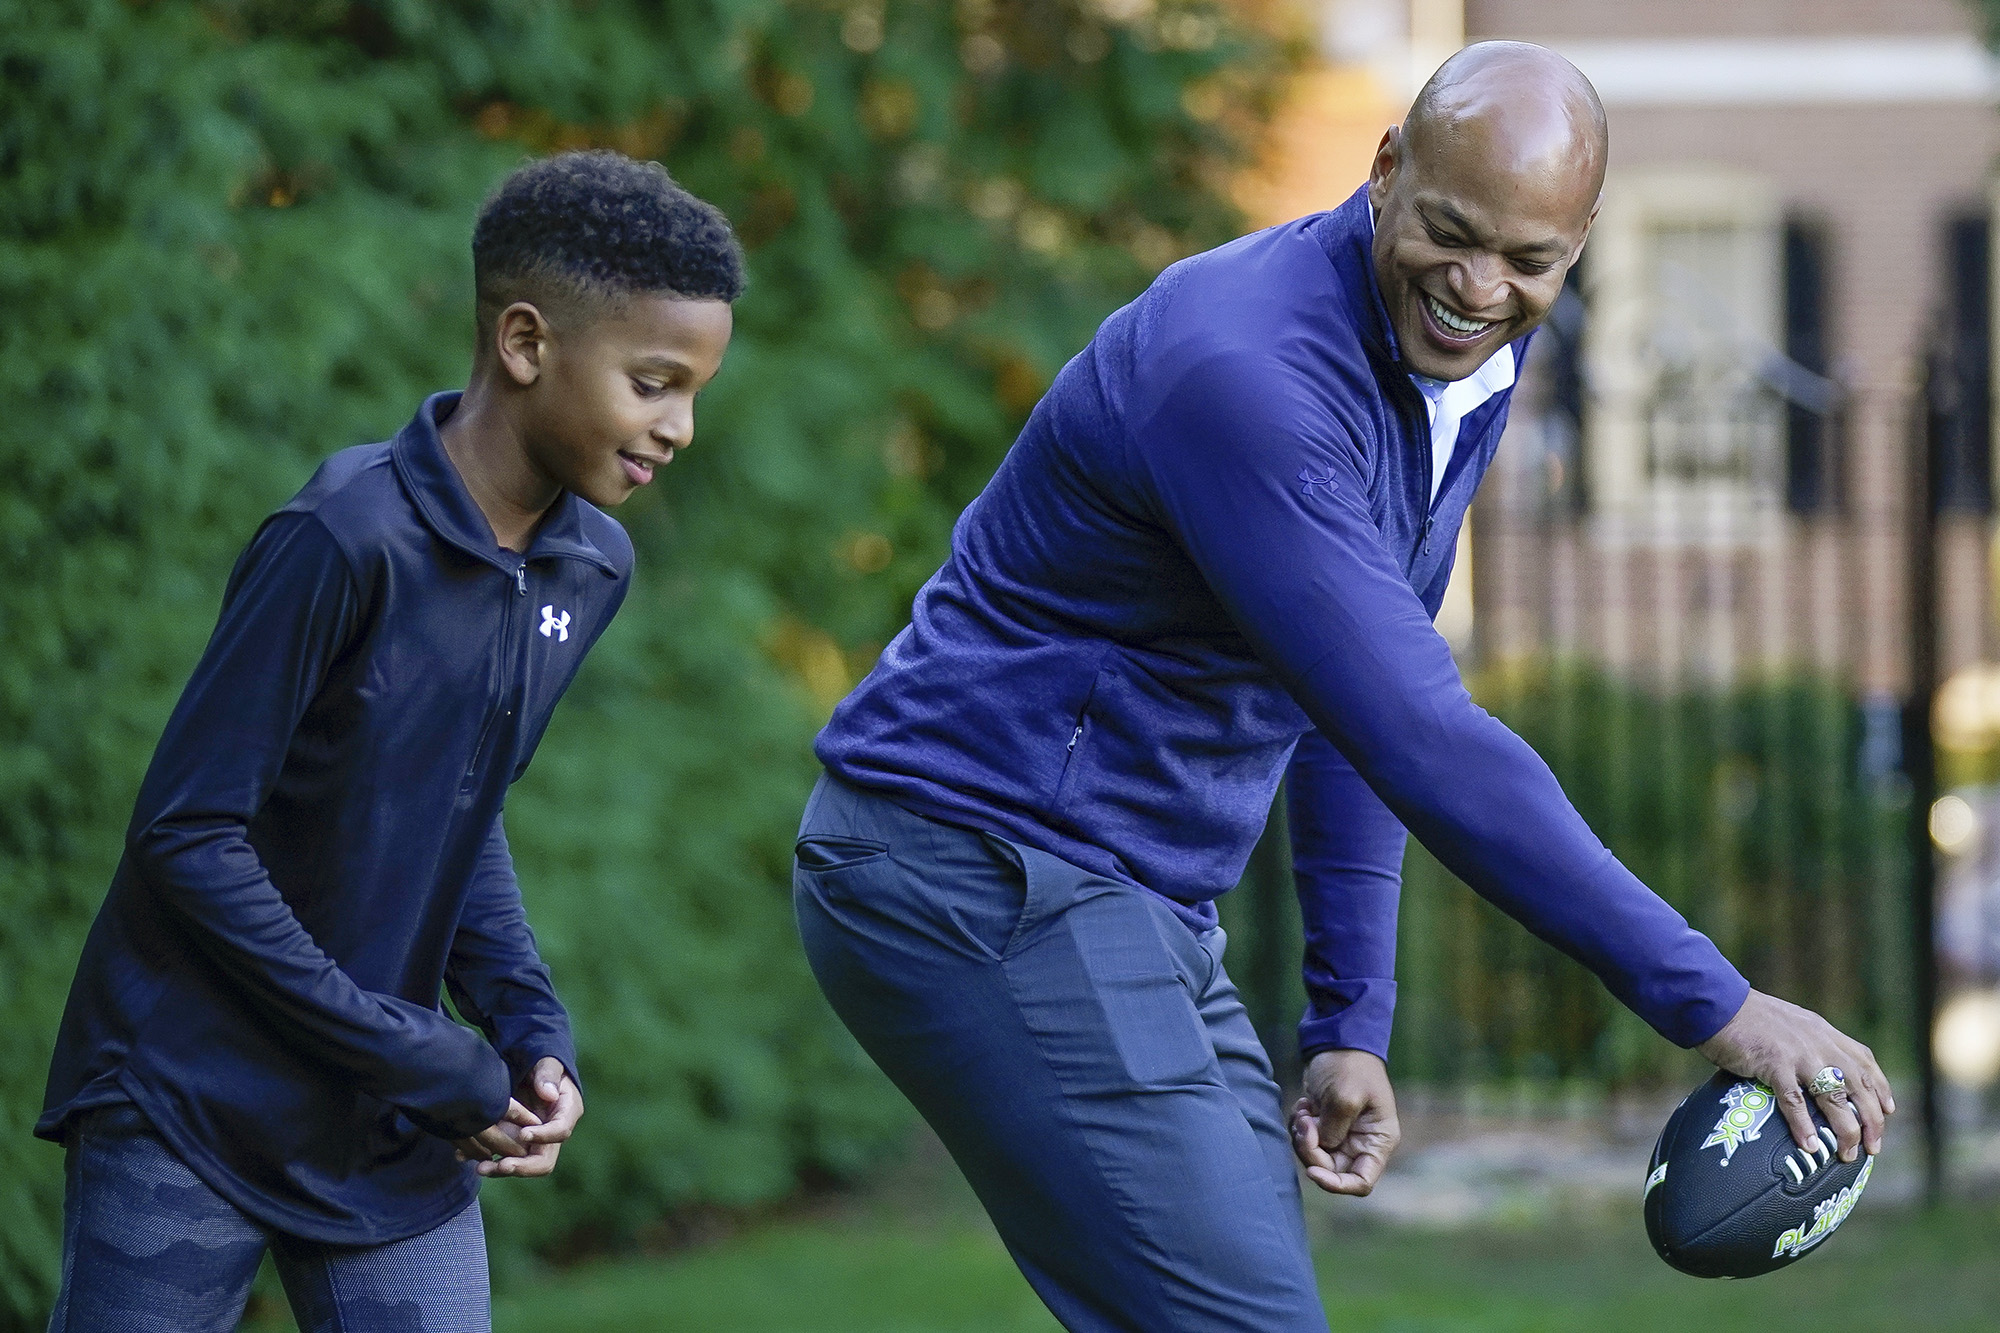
(827, 851)
(1159, 1038)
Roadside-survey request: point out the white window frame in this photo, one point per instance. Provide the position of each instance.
(1629, 506)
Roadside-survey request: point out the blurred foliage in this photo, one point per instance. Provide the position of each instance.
(1989, 14)
(1748, 808)
(233, 239)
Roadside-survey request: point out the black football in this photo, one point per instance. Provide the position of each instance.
(1728, 1194)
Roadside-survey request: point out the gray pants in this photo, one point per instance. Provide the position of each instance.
(1081, 1053)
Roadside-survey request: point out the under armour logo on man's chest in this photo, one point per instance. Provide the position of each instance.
(555, 626)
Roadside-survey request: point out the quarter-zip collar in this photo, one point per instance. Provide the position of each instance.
(448, 509)
(1347, 234)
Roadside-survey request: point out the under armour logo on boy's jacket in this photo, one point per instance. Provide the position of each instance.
(556, 626)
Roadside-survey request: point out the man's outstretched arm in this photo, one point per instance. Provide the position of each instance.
(1222, 443)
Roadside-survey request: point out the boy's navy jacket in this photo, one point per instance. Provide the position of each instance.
(1213, 553)
(318, 848)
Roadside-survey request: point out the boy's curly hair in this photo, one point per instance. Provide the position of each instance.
(595, 226)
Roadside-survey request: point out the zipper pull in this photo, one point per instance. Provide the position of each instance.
(1074, 737)
(1426, 535)
(521, 578)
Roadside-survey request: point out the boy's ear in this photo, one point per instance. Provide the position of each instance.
(521, 339)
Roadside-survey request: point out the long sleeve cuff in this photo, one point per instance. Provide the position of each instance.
(1693, 1005)
(466, 1116)
(1348, 1015)
(525, 1055)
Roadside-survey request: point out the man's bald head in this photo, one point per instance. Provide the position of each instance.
(1522, 99)
(1483, 198)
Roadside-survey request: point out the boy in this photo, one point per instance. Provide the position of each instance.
(254, 1054)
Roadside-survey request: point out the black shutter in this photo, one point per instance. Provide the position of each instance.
(1563, 334)
(1811, 429)
(1961, 372)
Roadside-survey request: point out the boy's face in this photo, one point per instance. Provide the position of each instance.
(614, 395)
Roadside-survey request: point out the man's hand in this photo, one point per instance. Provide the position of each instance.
(1345, 1127)
(501, 1142)
(1783, 1046)
(558, 1106)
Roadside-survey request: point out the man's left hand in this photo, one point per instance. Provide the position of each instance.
(1345, 1129)
(553, 1095)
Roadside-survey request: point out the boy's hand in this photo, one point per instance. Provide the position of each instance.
(501, 1142)
(559, 1106)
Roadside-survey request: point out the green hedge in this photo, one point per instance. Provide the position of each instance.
(233, 239)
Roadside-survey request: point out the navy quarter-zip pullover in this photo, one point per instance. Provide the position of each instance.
(1212, 554)
(318, 849)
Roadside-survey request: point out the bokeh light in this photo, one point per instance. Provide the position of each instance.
(1954, 824)
(1966, 1038)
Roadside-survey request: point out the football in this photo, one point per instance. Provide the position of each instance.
(1728, 1194)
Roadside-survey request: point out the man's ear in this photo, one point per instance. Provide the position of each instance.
(521, 340)
(1382, 172)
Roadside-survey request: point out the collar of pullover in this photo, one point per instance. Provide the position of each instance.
(1347, 234)
(448, 509)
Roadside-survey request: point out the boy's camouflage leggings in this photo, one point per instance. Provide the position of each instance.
(149, 1248)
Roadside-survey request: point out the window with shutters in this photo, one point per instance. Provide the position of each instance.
(1688, 437)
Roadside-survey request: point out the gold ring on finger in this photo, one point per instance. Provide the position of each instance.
(1827, 1081)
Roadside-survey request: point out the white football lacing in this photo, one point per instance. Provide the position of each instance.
(1813, 1158)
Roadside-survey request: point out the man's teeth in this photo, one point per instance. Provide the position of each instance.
(1454, 322)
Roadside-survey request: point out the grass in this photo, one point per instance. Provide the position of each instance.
(815, 1278)
(1890, 1270)
(917, 1257)
(1937, 1274)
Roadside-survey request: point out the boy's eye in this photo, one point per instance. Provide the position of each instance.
(647, 389)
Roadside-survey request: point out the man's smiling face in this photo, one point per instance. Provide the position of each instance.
(1479, 214)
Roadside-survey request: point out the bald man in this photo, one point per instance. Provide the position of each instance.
(1211, 561)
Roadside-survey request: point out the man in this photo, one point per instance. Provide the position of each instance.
(1215, 552)
(255, 1056)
